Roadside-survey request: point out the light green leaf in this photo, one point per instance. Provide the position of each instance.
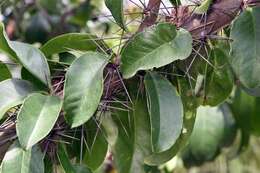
(13, 91)
(72, 42)
(84, 87)
(245, 53)
(28, 56)
(190, 106)
(36, 118)
(166, 111)
(4, 72)
(97, 146)
(204, 7)
(18, 160)
(117, 10)
(33, 60)
(155, 47)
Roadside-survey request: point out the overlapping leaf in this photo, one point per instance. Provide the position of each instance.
(28, 56)
(37, 118)
(156, 46)
(84, 87)
(13, 92)
(166, 111)
(18, 160)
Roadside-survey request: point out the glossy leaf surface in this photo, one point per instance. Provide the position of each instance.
(13, 92)
(36, 118)
(155, 47)
(84, 87)
(166, 111)
(18, 160)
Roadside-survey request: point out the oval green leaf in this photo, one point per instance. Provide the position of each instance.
(84, 87)
(36, 118)
(245, 53)
(13, 92)
(72, 42)
(18, 160)
(155, 47)
(166, 111)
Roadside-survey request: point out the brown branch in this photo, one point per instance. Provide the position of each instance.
(151, 14)
(220, 15)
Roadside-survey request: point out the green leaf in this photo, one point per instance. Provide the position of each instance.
(134, 140)
(246, 110)
(117, 10)
(4, 43)
(72, 42)
(84, 87)
(97, 146)
(17, 160)
(189, 105)
(163, 157)
(26, 75)
(36, 118)
(155, 47)
(33, 60)
(5, 74)
(28, 56)
(13, 92)
(219, 80)
(64, 160)
(166, 111)
(207, 133)
(245, 53)
(204, 7)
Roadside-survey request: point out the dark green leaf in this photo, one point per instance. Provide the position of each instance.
(116, 8)
(246, 110)
(4, 72)
(245, 53)
(64, 160)
(97, 146)
(13, 92)
(17, 160)
(166, 111)
(134, 140)
(155, 47)
(4, 43)
(36, 118)
(219, 81)
(84, 87)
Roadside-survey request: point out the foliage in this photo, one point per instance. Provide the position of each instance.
(78, 92)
